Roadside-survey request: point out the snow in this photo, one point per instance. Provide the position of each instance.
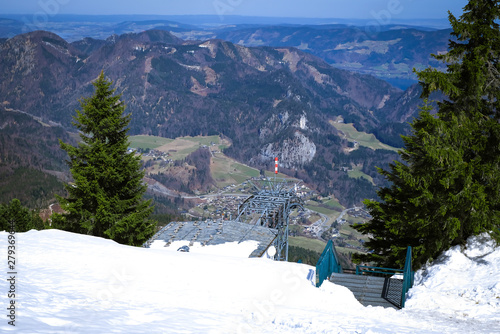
(70, 283)
(233, 249)
(463, 285)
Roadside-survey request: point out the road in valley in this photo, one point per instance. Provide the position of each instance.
(323, 223)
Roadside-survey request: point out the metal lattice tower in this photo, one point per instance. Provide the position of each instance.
(271, 207)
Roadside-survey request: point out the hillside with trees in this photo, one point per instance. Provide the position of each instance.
(268, 101)
(190, 174)
(31, 161)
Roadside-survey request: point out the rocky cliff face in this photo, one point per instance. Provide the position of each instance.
(293, 153)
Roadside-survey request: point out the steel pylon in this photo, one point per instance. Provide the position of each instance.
(271, 206)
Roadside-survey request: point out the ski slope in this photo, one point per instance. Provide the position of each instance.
(70, 283)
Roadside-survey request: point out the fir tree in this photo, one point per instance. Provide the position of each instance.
(106, 197)
(448, 186)
(19, 218)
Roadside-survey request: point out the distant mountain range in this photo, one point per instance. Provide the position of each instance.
(269, 101)
(389, 52)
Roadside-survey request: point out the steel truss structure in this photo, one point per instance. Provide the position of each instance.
(271, 206)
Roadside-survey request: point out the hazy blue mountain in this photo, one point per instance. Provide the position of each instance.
(388, 51)
(390, 54)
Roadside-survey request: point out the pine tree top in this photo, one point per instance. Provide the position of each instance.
(473, 72)
(101, 116)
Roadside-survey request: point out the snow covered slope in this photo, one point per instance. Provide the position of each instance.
(70, 283)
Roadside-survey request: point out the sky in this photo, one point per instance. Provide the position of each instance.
(348, 9)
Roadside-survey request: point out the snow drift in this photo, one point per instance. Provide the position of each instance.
(70, 283)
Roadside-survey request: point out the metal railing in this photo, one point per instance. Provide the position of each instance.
(327, 264)
(408, 277)
(407, 281)
(360, 270)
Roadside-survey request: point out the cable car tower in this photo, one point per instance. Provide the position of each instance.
(271, 206)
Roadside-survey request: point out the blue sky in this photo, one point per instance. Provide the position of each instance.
(358, 9)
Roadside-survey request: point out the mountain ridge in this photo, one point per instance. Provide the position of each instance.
(268, 101)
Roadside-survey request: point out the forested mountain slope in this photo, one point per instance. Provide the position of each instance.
(268, 101)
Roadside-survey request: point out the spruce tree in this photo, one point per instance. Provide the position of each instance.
(106, 196)
(447, 187)
(21, 219)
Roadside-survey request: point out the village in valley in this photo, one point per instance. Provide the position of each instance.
(323, 218)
